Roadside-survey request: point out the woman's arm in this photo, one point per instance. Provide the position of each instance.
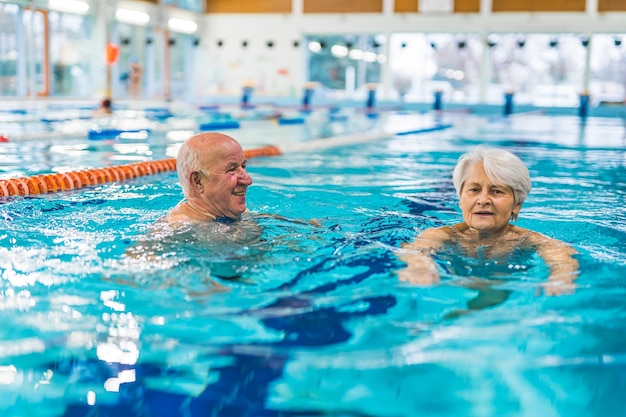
(421, 267)
(559, 257)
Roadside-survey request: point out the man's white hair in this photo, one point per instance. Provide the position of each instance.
(187, 161)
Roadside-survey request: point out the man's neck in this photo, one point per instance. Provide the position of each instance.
(204, 214)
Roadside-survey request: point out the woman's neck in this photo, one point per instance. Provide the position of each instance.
(484, 237)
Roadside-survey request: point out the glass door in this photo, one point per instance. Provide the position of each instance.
(35, 25)
(10, 37)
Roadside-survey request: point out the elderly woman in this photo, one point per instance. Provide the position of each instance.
(492, 185)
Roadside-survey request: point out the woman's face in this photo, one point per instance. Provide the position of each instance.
(486, 206)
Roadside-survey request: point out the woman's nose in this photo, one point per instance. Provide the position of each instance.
(483, 197)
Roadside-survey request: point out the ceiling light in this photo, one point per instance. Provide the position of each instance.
(315, 46)
(69, 6)
(339, 51)
(370, 56)
(134, 17)
(356, 54)
(182, 25)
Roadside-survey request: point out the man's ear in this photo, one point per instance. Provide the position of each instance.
(194, 180)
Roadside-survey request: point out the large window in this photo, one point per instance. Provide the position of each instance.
(181, 57)
(608, 69)
(422, 64)
(71, 56)
(9, 51)
(193, 5)
(541, 69)
(36, 27)
(344, 65)
(43, 53)
(136, 44)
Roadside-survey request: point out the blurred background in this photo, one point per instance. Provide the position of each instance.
(546, 52)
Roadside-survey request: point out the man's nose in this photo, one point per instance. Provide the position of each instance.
(246, 179)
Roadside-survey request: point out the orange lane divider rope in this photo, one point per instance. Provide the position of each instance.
(63, 181)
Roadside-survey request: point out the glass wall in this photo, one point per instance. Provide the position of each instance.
(9, 48)
(182, 54)
(35, 27)
(344, 65)
(43, 53)
(192, 5)
(136, 44)
(61, 54)
(422, 63)
(541, 69)
(608, 69)
(71, 56)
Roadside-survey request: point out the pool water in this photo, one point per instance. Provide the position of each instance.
(303, 314)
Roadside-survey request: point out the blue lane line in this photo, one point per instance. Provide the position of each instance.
(111, 133)
(14, 111)
(229, 124)
(291, 121)
(426, 129)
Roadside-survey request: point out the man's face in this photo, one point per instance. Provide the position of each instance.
(226, 182)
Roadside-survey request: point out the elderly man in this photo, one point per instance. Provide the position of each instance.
(212, 172)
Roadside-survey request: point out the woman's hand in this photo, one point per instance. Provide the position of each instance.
(419, 275)
(564, 268)
(421, 268)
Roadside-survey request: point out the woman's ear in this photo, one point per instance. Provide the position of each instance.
(515, 211)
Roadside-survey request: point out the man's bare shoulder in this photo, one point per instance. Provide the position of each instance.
(181, 214)
(177, 217)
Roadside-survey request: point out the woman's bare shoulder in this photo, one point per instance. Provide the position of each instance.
(535, 238)
(545, 243)
(431, 238)
(437, 233)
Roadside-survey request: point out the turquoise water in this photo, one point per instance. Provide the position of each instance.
(305, 318)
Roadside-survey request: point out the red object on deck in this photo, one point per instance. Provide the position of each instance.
(111, 53)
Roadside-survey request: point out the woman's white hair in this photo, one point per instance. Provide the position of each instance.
(187, 161)
(501, 167)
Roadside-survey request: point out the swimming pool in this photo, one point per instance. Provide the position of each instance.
(316, 322)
